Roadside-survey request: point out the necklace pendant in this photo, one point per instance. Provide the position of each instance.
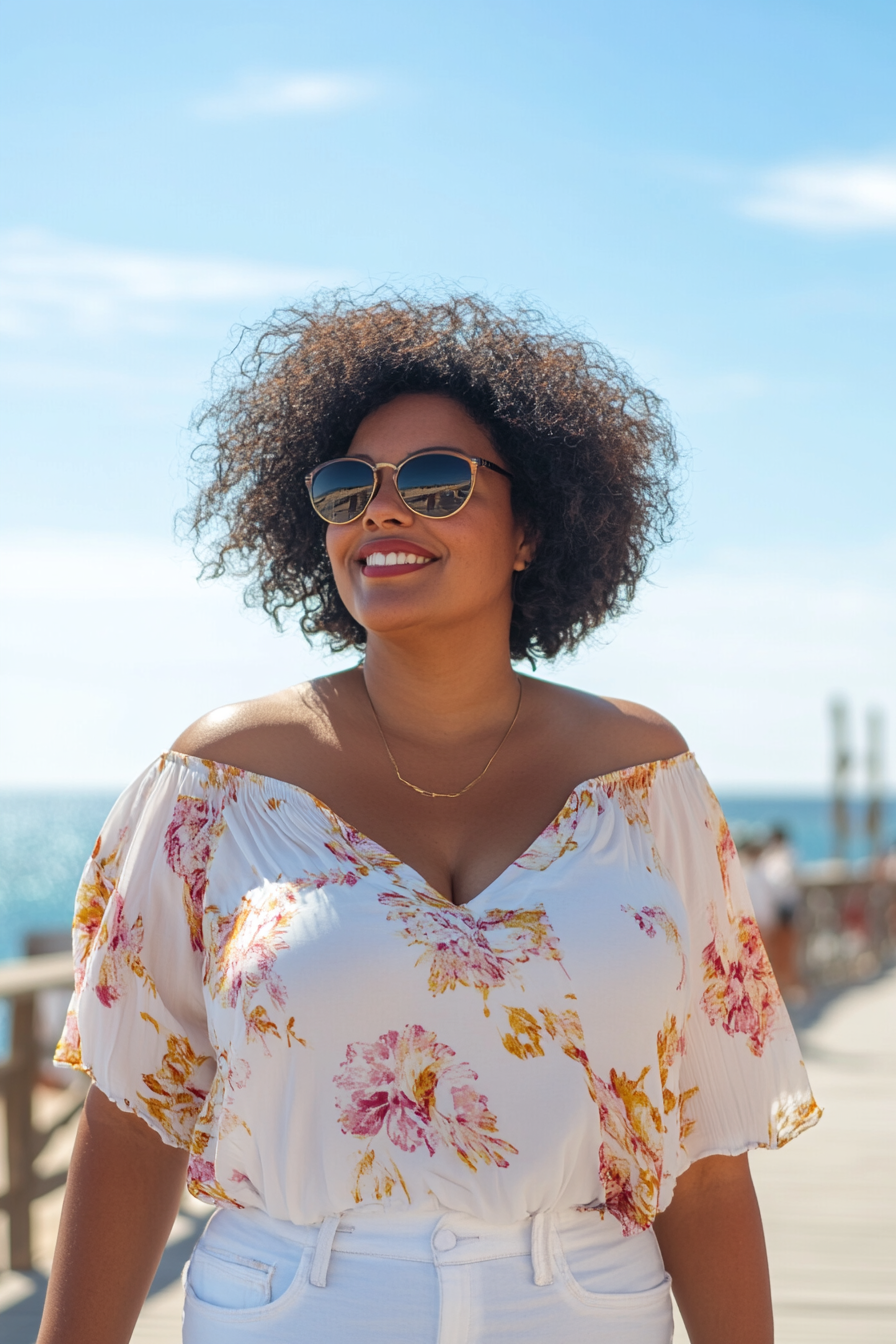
(429, 793)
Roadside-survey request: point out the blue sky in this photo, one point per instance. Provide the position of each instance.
(710, 190)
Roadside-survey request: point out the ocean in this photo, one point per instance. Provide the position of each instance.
(45, 839)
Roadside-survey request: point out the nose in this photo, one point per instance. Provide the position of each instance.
(387, 508)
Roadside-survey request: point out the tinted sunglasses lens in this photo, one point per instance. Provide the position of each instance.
(342, 490)
(435, 484)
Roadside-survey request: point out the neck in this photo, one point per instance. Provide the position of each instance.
(450, 691)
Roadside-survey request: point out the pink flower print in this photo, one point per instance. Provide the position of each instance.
(631, 1155)
(335, 877)
(411, 1085)
(558, 838)
(190, 843)
(651, 917)
(631, 789)
(94, 892)
(245, 943)
(238, 1073)
(741, 992)
(243, 948)
(68, 1051)
(460, 949)
(352, 847)
(201, 1170)
(123, 945)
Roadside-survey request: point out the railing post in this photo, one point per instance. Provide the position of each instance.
(20, 1132)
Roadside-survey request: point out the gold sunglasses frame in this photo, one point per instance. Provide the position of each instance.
(395, 467)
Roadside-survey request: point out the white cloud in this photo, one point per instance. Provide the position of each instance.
(47, 281)
(835, 197)
(110, 647)
(259, 95)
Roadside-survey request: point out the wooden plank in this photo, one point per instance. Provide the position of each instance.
(28, 975)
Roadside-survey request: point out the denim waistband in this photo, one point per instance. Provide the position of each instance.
(441, 1239)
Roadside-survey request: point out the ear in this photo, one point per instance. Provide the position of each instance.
(527, 544)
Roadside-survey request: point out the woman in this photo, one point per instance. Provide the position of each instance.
(462, 1047)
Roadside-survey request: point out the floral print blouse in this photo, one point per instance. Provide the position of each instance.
(275, 992)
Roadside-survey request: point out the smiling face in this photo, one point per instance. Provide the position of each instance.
(397, 572)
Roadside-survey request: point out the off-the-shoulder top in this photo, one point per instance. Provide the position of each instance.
(275, 992)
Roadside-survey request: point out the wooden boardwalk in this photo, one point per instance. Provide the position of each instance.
(828, 1199)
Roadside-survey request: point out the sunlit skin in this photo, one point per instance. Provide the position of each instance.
(438, 672)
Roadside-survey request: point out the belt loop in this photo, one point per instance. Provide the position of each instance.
(541, 1249)
(321, 1261)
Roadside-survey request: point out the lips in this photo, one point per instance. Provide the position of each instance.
(389, 559)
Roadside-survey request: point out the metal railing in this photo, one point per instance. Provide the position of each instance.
(21, 982)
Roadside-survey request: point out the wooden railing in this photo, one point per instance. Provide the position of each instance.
(21, 981)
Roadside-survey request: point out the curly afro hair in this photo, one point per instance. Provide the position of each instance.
(592, 452)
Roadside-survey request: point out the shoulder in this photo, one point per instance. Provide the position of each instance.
(260, 735)
(643, 731)
(609, 733)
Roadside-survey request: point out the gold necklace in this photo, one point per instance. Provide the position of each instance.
(431, 793)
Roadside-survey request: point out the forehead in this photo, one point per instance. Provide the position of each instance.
(417, 420)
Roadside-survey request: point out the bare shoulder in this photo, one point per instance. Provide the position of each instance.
(609, 733)
(652, 737)
(262, 735)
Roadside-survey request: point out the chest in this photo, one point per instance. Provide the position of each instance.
(459, 846)
(333, 937)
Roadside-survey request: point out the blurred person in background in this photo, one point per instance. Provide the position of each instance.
(750, 847)
(494, 1073)
(776, 883)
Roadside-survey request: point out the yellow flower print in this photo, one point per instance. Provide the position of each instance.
(242, 953)
(68, 1051)
(123, 946)
(631, 789)
(566, 1029)
(375, 1179)
(741, 994)
(790, 1116)
(202, 1180)
(176, 1100)
(226, 779)
(460, 949)
(524, 1037)
(631, 1158)
(669, 1046)
(558, 838)
(94, 893)
(352, 847)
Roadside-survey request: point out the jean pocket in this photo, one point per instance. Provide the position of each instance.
(218, 1278)
(652, 1304)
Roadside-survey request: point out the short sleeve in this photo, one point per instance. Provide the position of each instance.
(744, 1082)
(137, 1020)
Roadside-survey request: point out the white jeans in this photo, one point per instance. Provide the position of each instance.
(425, 1278)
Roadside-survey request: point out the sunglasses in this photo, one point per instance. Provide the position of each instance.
(434, 483)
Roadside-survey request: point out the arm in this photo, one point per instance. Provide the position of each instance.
(713, 1246)
(121, 1200)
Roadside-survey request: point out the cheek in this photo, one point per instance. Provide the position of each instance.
(338, 546)
(488, 541)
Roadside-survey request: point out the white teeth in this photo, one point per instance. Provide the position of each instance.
(395, 558)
